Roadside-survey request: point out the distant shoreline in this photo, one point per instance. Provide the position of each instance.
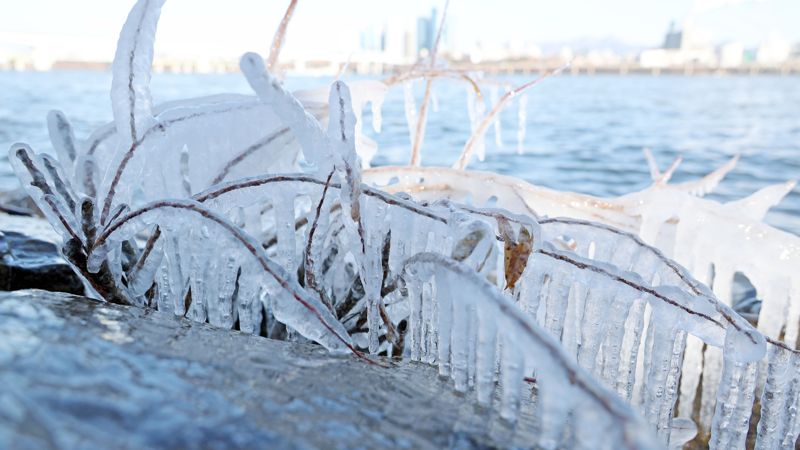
(492, 70)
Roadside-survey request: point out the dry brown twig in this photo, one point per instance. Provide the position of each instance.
(280, 34)
(422, 118)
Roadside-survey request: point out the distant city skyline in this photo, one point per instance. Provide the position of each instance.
(87, 29)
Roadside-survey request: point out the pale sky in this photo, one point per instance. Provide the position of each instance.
(231, 27)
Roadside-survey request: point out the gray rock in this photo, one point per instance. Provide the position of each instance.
(29, 257)
(29, 263)
(82, 374)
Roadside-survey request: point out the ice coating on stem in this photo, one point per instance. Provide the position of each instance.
(62, 137)
(131, 101)
(305, 127)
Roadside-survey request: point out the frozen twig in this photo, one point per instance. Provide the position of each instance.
(480, 131)
(422, 117)
(280, 35)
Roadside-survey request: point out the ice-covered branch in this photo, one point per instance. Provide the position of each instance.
(476, 326)
(480, 131)
(331, 334)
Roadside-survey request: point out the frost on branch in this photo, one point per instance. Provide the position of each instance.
(259, 213)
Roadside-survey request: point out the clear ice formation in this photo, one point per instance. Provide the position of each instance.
(200, 208)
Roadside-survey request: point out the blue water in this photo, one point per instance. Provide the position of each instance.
(584, 133)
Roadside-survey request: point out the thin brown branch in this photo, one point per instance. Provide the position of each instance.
(280, 34)
(253, 182)
(261, 143)
(480, 130)
(61, 186)
(148, 249)
(310, 274)
(40, 182)
(422, 117)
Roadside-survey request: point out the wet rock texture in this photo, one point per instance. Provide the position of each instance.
(29, 263)
(82, 374)
(29, 257)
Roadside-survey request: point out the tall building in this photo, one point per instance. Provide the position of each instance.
(426, 31)
(674, 37)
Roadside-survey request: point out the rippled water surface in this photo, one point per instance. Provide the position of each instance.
(583, 133)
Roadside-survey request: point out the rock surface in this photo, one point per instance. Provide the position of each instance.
(29, 257)
(82, 374)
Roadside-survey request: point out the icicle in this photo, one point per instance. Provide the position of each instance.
(734, 400)
(175, 290)
(142, 276)
(613, 347)
(377, 117)
(511, 377)
(495, 96)
(555, 407)
(690, 376)
(371, 268)
(522, 114)
(631, 346)
(220, 309)
(430, 332)
(248, 302)
(185, 179)
(486, 359)
(780, 423)
(410, 109)
(201, 269)
(555, 305)
(414, 286)
(476, 108)
(662, 362)
(284, 226)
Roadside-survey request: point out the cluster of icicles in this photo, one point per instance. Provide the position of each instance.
(199, 208)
